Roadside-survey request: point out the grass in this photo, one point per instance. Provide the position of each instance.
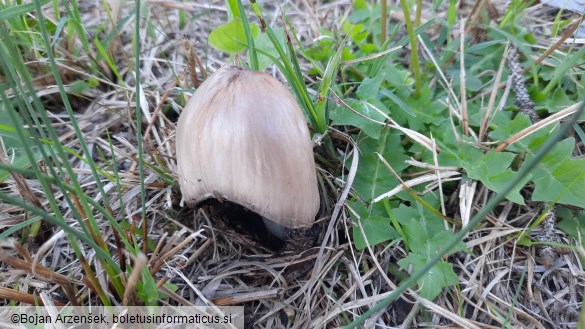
(425, 165)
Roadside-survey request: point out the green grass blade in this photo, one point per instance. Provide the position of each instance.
(328, 78)
(138, 92)
(293, 79)
(55, 221)
(249, 38)
(19, 10)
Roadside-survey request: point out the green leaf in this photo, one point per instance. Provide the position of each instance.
(78, 87)
(493, 170)
(472, 83)
(357, 32)
(425, 110)
(368, 92)
(360, 4)
(397, 76)
(170, 286)
(529, 143)
(425, 234)
(375, 224)
(147, 289)
(360, 15)
(573, 225)
(453, 152)
(560, 178)
(265, 45)
(557, 100)
(372, 177)
(344, 116)
(419, 225)
(485, 47)
(394, 98)
(369, 88)
(231, 37)
(441, 275)
(424, 231)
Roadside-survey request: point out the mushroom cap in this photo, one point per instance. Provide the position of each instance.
(242, 137)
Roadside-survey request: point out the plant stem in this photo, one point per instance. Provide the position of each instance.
(418, 13)
(414, 64)
(383, 21)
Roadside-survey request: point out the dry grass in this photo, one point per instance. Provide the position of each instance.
(325, 285)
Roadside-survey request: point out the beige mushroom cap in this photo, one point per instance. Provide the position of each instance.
(242, 137)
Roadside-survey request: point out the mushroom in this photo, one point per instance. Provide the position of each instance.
(243, 138)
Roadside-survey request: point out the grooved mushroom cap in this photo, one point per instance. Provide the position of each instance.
(242, 137)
